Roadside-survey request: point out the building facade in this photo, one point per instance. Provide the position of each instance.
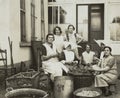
(93, 19)
(22, 21)
(27, 20)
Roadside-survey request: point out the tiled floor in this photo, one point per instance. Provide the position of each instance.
(2, 92)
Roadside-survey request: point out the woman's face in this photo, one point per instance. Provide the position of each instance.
(71, 29)
(87, 48)
(50, 39)
(102, 46)
(57, 31)
(107, 51)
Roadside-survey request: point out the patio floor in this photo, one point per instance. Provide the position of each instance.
(115, 95)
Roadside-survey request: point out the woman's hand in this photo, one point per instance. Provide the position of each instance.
(63, 61)
(75, 62)
(68, 62)
(97, 68)
(44, 58)
(53, 55)
(90, 68)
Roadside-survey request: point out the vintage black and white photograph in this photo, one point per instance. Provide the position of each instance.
(59, 48)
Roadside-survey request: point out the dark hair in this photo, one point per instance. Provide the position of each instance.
(50, 34)
(102, 44)
(108, 48)
(88, 45)
(70, 26)
(54, 32)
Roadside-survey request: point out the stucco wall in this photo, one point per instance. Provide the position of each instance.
(4, 25)
(10, 26)
(19, 53)
(109, 5)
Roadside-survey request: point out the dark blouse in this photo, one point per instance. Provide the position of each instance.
(44, 51)
(62, 56)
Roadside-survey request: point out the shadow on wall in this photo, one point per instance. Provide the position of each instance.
(118, 62)
(22, 66)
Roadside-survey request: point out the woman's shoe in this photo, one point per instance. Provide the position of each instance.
(108, 93)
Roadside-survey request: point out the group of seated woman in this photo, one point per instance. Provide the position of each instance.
(51, 57)
(59, 52)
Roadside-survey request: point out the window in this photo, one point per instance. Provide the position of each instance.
(90, 21)
(23, 21)
(51, 0)
(62, 15)
(53, 15)
(114, 21)
(33, 20)
(82, 21)
(61, 1)
(42, 21)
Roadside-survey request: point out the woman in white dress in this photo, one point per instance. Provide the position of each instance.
(50, 59)
(68, 56)
(88, 56)
(71, 37)
(59, 39)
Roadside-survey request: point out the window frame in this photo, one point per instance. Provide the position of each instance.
(33, 20)
(23, 21)
(112, 3)
(42, 21)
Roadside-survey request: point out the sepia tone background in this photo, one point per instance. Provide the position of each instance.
(24, 21)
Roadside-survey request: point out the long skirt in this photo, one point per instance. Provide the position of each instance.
(106, 78)
(54, 68)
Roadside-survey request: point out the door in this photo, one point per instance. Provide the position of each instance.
(96, 24)
(90, 22)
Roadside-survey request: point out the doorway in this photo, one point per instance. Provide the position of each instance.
(90, 22)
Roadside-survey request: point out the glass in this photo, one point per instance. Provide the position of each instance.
(33, 20)
(23, 30)
(114, 20)
(95, 21)
(61, 15)
(60, 1)
(53, 15)
(22, 4)
(51, 0)
(66, 14)
(95, 7)
(83, 21)
(42, 9)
